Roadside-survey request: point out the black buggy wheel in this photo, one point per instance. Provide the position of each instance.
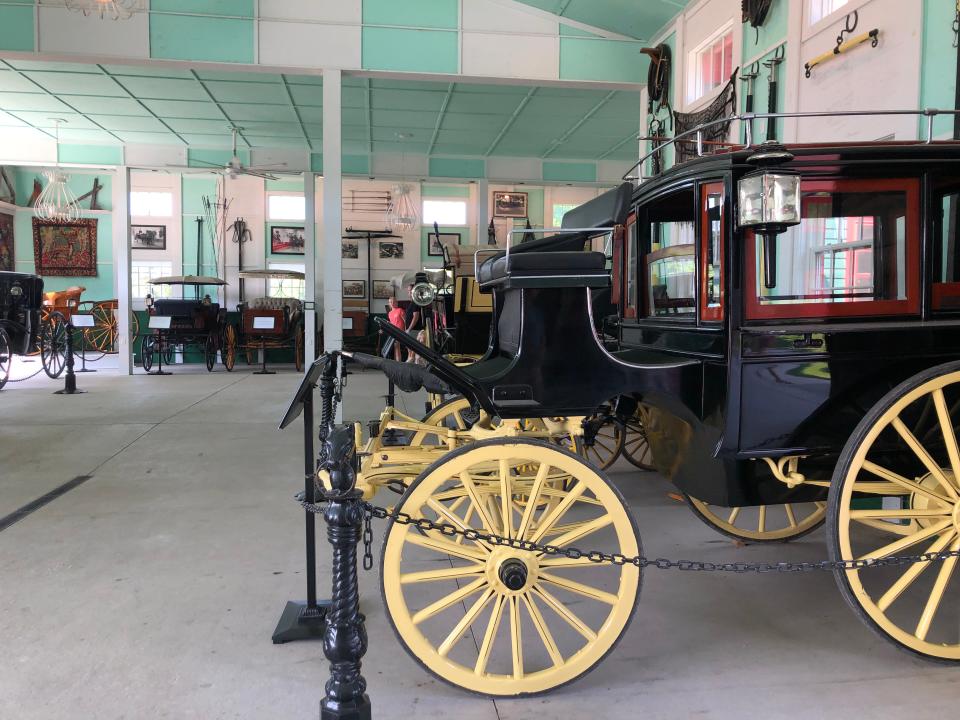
(53, 345)
(210, 351)
(6, 358)
(147, 346)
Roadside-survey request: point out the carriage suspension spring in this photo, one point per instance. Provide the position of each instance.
(371, 511)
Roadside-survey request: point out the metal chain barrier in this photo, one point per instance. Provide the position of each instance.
(598, 556)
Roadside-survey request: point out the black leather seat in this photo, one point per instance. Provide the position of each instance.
(545, 269)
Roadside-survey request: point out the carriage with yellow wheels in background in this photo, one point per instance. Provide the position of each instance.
(789, 327)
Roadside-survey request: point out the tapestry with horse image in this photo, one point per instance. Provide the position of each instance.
(65, 249)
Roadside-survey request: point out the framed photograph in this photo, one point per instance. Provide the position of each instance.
(148, 237)
(65, 249)
(286, 240)
(390, 250)
(6, 241)
(510, 204)
(349, 249)
(382, 289)
(435, 244)
(356, 289)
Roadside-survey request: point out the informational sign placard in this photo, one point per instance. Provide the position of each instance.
(159, 322)
(347, 323)
(80, 320)
(267, 322)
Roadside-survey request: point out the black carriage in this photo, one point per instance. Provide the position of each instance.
(200, 324)
(788, 333)
(21, 304)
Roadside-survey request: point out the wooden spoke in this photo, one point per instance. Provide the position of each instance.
(949, 438)
(478, 503)
(448, 600)
(903, 513)
(732, 518)
(921, 452)
(788, 509)
(911, 574)
(442, 574)
(762, 519)
(579, 588)
(444, 513)
(543, 631)
(542, 472)
(560, 609)
(516, 638)
(445, 547)
(903, 482)
(461, 425)
(506, 493)
(907, 542)
(582, 530)
(560, 562)
(571, 496)
(936, 594)
(465, 622)
(489, 636)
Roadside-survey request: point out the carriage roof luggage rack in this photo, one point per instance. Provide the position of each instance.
(696, 134)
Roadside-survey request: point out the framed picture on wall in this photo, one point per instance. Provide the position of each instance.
(6, 241)
(382, 289)
(355, 289)
(436, 242)
(286, 240)
(349, 249)
(390, 250)
(510, 204)
(148, 237)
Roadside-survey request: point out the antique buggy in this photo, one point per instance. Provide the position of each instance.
(20, 309)
(790, 328)
(180, 322)
(270, 323)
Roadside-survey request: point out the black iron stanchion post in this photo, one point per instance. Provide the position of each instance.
(303, 620)
(70, 379)
(263, 365)
(345, 638)
(83, 355)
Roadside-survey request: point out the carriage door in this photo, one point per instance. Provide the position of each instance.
(630, 251)
(711, 252)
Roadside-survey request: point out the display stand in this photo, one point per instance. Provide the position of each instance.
(83, 321)
(264, 323)
(159, 323)
(303, 620)
(70, 379)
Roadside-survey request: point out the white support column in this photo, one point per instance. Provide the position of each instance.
(121, 267)
(310, 264)
(332, 210)
(483, 196)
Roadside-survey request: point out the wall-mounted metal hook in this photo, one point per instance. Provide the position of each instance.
(844, 45)
(956, 26)
(847, 29)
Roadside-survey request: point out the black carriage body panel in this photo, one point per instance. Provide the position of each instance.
(787, 386)
(21, 300)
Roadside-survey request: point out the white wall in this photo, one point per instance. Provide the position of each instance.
(173, 252)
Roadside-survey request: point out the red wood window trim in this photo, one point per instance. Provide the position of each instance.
(617, 285)
(910, 305)
(716, 312)
(629, 311)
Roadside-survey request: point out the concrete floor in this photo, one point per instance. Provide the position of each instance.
(152, 589)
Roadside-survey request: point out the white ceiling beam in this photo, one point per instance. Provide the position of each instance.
(510, 121)
(296, 111)
(443, 111)
(577, 125)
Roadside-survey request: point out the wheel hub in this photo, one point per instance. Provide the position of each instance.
(513, 574)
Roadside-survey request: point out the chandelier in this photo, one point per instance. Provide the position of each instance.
(403, 212)
(113, 9)
(57, 202)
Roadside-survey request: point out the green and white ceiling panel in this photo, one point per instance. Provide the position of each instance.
(592, 40)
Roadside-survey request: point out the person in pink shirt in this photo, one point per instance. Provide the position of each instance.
(396, 317)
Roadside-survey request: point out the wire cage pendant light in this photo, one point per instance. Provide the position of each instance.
(403, 212)
(57, 202)
(112, 9)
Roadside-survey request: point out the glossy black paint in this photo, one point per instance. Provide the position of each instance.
(790, 386)
(21, 299)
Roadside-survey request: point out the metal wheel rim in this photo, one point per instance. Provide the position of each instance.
(607, 445)
(931, 510)
(636, 447)
(53, 345)
(469, 606)
(6, 357)
(146, 351)
(774, 523)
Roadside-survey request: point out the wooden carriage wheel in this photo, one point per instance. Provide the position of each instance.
(53, 345)
(896, 491)
(607, 444)
(448, 414)
(636, 448)
(103, 335)
(762, 523)
(6, 357)
(228, 349)
(299, 348)
(505, 622)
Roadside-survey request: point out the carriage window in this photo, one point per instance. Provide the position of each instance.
(671, 262)
(946, 273)
(711, 251)
(850, 248)
(631, 284)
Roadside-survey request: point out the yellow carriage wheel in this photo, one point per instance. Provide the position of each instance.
(504, 622)
(228, 353)
(606, 447)
(896, 491)
(448, 414)
(762, 523)
(636, 447)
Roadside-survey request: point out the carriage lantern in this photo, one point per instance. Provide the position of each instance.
(422, 293)
(769, 202)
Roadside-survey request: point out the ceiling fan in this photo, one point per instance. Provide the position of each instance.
(235, 166)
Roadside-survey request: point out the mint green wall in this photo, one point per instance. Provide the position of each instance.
(772, 33)
(97, 288)
(457, 167)
(466, 238)
(79, 182)
(412, 13)
(187, 37)
(555, 170)
(90, 154)
(444, 191)
(193, 190)
(584, 56)
(16, 25)
(938, 63)
(410, 50)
